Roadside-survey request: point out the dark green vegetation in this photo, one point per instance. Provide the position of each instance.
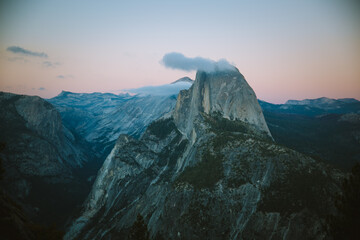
(209, 170)
(169, 155)
(54, 196)
(204, 174)
(223, 126)
(346, 224)
(319, 133)
(2, 147)
(220, 124)
(70, 195)
(204, 215)
(14, 223)
(139, 230)
(162, 128)
(295, 192)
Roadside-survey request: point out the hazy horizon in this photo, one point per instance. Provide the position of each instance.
(286, 50)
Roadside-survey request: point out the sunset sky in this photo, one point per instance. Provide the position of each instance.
(285, 49)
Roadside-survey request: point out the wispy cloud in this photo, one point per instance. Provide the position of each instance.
(176, 60)
(64, 76)
(23, 51)
(17, 59)
(50, 64)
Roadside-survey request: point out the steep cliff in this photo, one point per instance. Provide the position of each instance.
(225, 93)
(39, 151)
(209, 170)
(100, 118)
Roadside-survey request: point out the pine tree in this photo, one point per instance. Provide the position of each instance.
(139, 230)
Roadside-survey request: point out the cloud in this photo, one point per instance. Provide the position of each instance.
(176, 60)
(20, 50)
(41, 89)
(50, 64)
(64, 76)
(17, 59)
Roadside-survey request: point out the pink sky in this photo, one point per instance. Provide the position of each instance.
(285, 50)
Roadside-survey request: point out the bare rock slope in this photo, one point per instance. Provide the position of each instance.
(209, 170)
(39, 151)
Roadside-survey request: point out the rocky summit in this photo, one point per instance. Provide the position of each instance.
(223, 92)
(209, 170)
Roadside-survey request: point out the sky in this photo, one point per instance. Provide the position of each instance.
(286, 49)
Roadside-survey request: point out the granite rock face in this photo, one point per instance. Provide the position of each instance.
(100, 118)
(226, 93)
(37, 143)
(38, 149)
(209, 170)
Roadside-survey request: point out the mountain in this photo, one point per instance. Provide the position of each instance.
(326, 129)
(100, 118)
(314, 107)
(209, 170)
(184, 80)
(323, 102)
(209, 95)
(52, 154)
(40, 155)
(163, 90)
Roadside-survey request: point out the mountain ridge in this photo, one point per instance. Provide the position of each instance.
(186, 179)
(321, 100)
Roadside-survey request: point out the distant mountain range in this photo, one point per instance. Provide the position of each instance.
(101, 117)
(313, 107)
(56, 146)
(326, 129)
(161, 90)
(323, 102)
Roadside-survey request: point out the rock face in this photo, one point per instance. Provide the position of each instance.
(31, 127)
(38, 148)
(225, 93)
(100, 118)
(209, 170)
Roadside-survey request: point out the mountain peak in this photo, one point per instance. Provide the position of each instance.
(222, 92)
(184, 80)
(64, 93)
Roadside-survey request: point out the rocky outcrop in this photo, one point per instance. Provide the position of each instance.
(225, 93)
(39, 151)
(37, 144)
(209, 171)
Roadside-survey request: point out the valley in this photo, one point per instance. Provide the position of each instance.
(182, 159)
